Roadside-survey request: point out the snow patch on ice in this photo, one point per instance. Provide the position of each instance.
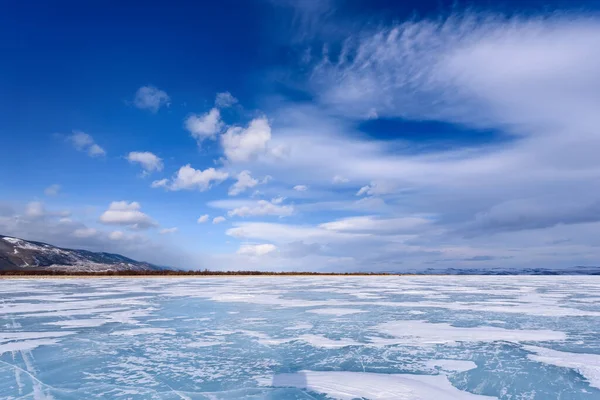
(299, 327)
(324, 342)
(144, 331)
(353, 385)
(26, 345)
(422, 332)
(588, 365)
(336, 311)
(452, 365)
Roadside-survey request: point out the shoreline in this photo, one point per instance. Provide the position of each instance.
(8, 277)
(16, 277)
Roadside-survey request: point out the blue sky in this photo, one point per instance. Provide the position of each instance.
(305, 135)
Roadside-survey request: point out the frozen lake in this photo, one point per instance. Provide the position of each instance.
(508, 337)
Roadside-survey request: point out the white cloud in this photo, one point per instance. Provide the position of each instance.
(339, 179)
(261, 208)
(300, 188)
(151, 98)
(244, 181)
(377, 189)
(377, 224)
(166, 231)
(84, 142)
(224, 100)
(203, 219)
(188, 178)
(116, 235)
(95, 150)
(149, 161)
(127, 214)
(205, 126)
(277, 200)
(160, 183)
(52, 190)
(256, 250)
(85, 232)
(242, 145)
(218, 220)
(35, 209)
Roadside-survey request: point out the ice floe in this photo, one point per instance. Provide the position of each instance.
(587, 365)
(356, 385)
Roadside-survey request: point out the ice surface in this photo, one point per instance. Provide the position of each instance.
(587, 365)
(452, 365)
(455, 337)
(336, 311)
(422, 332)
(353, 385)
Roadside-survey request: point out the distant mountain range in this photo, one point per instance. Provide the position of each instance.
(577, 270)
(20, 254)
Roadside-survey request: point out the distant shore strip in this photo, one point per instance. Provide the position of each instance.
(167, 273)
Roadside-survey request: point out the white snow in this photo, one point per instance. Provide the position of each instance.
(452, 365)
(26, 345)
(299, 327)
(587, 365)
(323, 342)
(79, 323)
(422, 332)
(144, 331)
(336, 311)
(353, 385)
(206, 343)
(10, 336)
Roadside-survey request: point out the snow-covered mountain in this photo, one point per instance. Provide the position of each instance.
(20, 254)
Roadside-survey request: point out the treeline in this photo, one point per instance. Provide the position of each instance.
(21, 272)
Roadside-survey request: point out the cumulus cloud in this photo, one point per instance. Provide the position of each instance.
(149, 161)
(218, 220)
(224, 100)
(84, 142)
(52, 190)
(188, 178)
(277, 200)
(127, 214)
(244, 144)
(300, 188)
(246, 181)
(204, 126)
(166, 231)
(203, 218)
(262, 208)
(151, 98)
(256, 250)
